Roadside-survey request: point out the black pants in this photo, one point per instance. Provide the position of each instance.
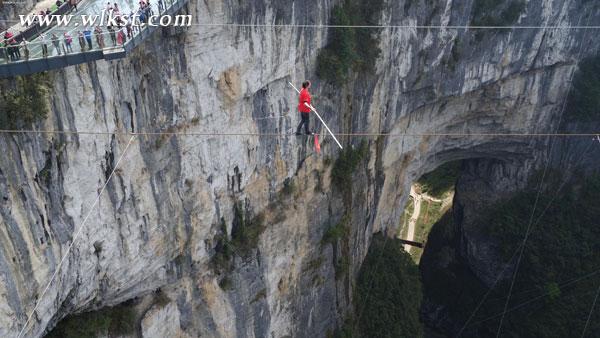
(305, 120)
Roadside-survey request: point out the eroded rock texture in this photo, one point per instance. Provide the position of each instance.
(156, 223)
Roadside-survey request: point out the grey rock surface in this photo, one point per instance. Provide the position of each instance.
(155, 225)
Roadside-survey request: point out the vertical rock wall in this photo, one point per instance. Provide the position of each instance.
(156, 224)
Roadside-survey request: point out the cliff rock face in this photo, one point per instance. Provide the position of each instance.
(9, 10)
(157, 223)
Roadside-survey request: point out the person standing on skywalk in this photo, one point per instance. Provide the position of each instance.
(88, 37)
(99, 37)
(56, 43)
(68, 39)
(44, 42)
(81, 41)
(25, 47)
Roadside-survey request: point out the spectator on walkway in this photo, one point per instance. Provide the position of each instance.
(99, 37)
(119, 38)
(88, 37)
(81, 39)
(161, 6)
(9, 51)
(68, 40)
(129, 30)
(124, 30)
(3, 54)
(44, 42)
(16, 50)
(73, 4)
(111, 32)
(56, 43)
(13, 46)
(25, 46)
(4, 43)
(134, 22)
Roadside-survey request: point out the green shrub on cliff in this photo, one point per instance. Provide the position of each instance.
(335, 60)
(346, 164)
(24, 101)
(221, 260)
(441, 180)
(496, 13)
(246, 230)
(350, 48)
(337, 231)
(563, 246)
(388, 292)
(110, 321)
(558, 274)
(584, 97)
(245, 234)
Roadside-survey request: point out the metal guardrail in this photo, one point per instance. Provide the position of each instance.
(40, 64)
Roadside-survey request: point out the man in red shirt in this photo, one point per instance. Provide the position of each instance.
(304, 110)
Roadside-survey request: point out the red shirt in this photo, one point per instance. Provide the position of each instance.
(304, 97)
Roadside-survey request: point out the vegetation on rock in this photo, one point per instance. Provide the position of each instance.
(111, 321)
(350, 48)
(436, 183)
(558, 274)
(25, 102)
(584, 98)
(496, 13)
(388, 294)
(346, 164)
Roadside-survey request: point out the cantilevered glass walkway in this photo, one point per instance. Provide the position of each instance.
(49, 50)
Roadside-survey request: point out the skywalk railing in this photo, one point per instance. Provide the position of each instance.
(38, 56)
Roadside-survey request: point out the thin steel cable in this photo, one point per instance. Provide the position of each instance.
(317, 26)
(327, 26)
(561, 284)
(77, 234)
(489, 291)
(518, 306)
(587, 322)
(507, 264)
(552, 143)
(370, 286)
(168, 133)
(532, 299)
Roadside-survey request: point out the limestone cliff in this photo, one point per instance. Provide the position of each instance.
(156, 226)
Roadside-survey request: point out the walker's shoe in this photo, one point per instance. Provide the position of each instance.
(310, 133)
(298, 133)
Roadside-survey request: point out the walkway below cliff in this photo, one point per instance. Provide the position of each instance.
(418, 199)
